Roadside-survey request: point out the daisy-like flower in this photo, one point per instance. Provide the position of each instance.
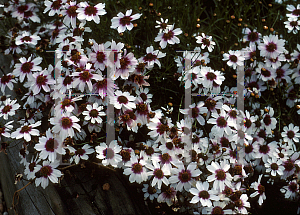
(136, 169)
(40, 80)
(162, 25)
(53, 6)
(104, 87)
(203, 194)
(4, 129)
(206, 41)
(266, 73)
(251, 36)
(235, 58)
(150, 192)
(264, 150)
(99, 57)
(210, 77)
(48, 147)
(70, 13)
(26, 11)
(183, 176)
(221, 123)
(7, 80)
(294, 11)
(268, 121)
(46, 172)
(260, 190)
(94, 113)
(64, 124)
(80, 153)
(26, 67)
(195, 112)
(152, 57)
(26, 131)
(109, 154)
(30, 169)
(168, 196)
(290, 134)
(293, 25)
(220, 175)
(241, 204)
(274, 166)
(291, 190)
(159, 129)
(168, 36)
(84, 77)
(159, 174)
(127, 65)
(121, 22)
(27, 38)
(143, 95)
(216, 209)
(8, 108)
(271, 46)
(123, 100)
(89, 13)
(68, 104)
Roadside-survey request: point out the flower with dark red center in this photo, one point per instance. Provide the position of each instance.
(46, 171)
(50, 145)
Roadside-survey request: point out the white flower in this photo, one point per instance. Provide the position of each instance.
(290, 134)
(168, 36)
(123, 100)
(205, 41)
(150, 191)
(94, 113)
(48, 147)
(124, 21)
(9, 108)
(211, 77)
(183, 176)
(89, 13)
(220, 175)
(81, 153)
(260, 190)
(26, 38)
(47, 171)
(203, 194)
(26, 130)
(271, 46)
(274, 166)
(109, 154)
(135, 168)
(235, 58)
(7, 80)
(293, 25)
(64, 124)
(159, 174)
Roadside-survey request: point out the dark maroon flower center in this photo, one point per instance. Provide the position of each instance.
(5, 79)
(90, 10)
(46, 171)
(168, 36)
(26, 39)
(31, 166)
(221, 122)
(267, 120)
(247, 123)
(41, 80)
(6, 109)
(224, 142)
(271, 47)
(264, 149)
(25, 129)
(21, 9)
(294, 23)
(102, 84)
(274, 166)
(211, 76)
(137, 168)
(293, 187)
(195, 112)
(220, 174)
(50, 145)
(158, 173)
(122, 100)
(185, 176)
(125, 155)
(203, 194)
(296, 12)
(217, 210)
(85, 76)
(66, 122)
(288, 165)
(290, 134)
(100, 57)
(162, 128)
(265, 72)
(261, 189)
(124, 62)
(150, 57)
(125, 20)
(253, 36)
(94, 113)
(80, 152)
(67, 80)
(206, 42)
(233, 58)
(165, 158)
(72, 11)
(56, 4)
(26, 67)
